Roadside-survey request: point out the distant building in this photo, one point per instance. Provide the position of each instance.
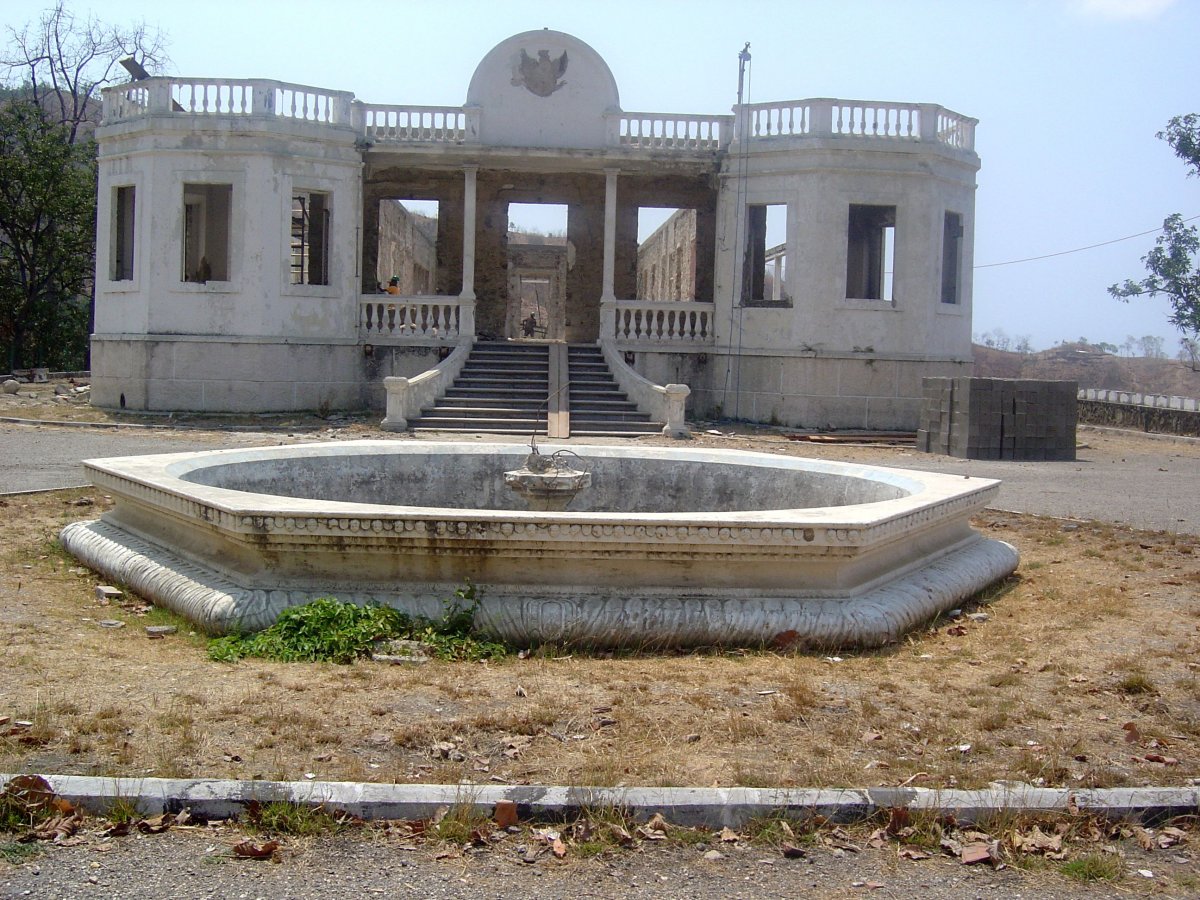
(246, 227)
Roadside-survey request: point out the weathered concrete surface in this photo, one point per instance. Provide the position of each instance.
(708, 807)
(669, 546)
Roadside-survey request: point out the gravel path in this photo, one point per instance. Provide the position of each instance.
(177, 866)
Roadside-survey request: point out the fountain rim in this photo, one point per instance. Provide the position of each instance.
(165, 474)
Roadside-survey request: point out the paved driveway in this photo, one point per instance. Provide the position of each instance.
(1118, 476)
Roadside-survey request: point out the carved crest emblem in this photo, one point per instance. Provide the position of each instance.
(542, 76)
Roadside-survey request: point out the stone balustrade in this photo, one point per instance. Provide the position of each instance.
(827, 117)
(432, 319)
(226, 97)
(670, 132)
(382, 124)
(675, 323)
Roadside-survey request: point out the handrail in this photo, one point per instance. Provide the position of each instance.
(666, 403)
(821, 117)
(407, 396)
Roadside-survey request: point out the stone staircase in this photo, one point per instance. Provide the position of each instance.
(599, 408)
(507, 387)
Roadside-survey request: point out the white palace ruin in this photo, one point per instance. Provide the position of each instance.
(248, 233)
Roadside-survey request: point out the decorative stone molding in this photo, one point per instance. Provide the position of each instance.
(895, 547)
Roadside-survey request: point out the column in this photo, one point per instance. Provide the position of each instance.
(468, 275)
(607, 294)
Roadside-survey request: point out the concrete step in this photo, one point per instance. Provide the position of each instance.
(521, 402)
(465, 423)
(442, 411)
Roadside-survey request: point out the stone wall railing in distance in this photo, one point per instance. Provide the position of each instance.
(1156, 413)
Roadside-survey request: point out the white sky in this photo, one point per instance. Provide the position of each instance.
(1069, 94)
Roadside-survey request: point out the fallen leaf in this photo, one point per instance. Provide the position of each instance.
(899, 818)
(251, 850)
(30, 792)
(729, 836)
(558, 848)
(791, 851)
(1132, 735)
(622, 837)
(912, 853)
(1159, 758)
(976, 853)
(1171, 836)
(505, 814)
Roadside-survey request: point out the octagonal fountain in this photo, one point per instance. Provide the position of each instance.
(665, 546)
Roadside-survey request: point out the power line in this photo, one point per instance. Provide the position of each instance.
(1130, 237)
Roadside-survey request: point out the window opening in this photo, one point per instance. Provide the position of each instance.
(123, 233)
(870, 252)
(310, 239)
(765, 260)
(407, 259)
(666, 253)
(207, 213)
(952, 238)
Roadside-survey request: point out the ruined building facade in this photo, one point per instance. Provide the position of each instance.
(246, 226)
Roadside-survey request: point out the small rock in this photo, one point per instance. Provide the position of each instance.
(714, 855)
(10, 386)
(978, 617)
(159, 631)
(691, 738)
(108, 592)
(111, 623)
(61, 390)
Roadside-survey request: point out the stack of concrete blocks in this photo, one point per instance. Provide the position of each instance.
(998, 418)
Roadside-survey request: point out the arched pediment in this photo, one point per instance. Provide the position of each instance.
(543, 89)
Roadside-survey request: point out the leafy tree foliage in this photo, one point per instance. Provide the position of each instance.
(47, 238)
(1171, 265)
(49, 104)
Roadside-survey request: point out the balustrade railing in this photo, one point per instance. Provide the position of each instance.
(413, 124)
(675, 323)
(825, 117)
(767, 120)
(669, 132)
(666, 131)
(414, 318)
(221, 97)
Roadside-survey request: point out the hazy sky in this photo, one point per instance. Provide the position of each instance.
(1069, 94)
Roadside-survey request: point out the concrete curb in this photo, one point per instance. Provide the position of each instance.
(708, 807)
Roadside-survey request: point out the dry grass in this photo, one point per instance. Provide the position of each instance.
(1076, 646)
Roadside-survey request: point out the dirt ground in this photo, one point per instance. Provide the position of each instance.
(1079, 671)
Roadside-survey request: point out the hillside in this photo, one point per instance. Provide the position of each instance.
(1091, 368)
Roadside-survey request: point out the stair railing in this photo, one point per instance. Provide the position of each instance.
(666, 403)
(407, 396)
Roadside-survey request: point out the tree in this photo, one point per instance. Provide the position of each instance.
(54, 68)
(47, 238)
(62, 61)
(1189, 353)
(1171, 266)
